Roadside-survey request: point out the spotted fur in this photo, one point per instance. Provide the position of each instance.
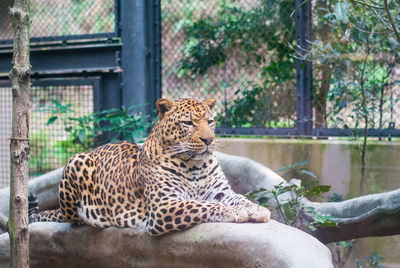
(169, 184)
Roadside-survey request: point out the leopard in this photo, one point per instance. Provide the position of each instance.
(170, 183)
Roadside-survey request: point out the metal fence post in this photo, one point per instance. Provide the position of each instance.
(106, 96)
(141, 57)
(153, 31)
(304, 123)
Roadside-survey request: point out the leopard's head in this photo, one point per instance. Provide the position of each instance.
(186, 127)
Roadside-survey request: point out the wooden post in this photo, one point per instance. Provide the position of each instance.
(19, 142)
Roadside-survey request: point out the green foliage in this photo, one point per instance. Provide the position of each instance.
(354, 42)
(255, 37)
(209, 39)
(370, 261)
(291, 208)
(126, 124)
(82, 130)
(257, 108)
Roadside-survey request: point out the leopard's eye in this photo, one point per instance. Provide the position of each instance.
(187, 123)
(210, 122)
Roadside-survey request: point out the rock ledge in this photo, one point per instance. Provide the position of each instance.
(207, 245)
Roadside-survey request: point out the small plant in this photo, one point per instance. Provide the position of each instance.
(290, 209)
(370, 261)
(80, 129)
(341, 252)
(287, 199)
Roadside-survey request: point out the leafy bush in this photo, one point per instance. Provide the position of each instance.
(83, 130)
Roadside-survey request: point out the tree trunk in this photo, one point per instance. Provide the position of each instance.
(325, 70)
(19, 142)
(322, 93)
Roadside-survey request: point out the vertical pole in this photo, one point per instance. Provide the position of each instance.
(304, 122)
(154, 45)
(141, 53)
(106, 96)
(133, 33)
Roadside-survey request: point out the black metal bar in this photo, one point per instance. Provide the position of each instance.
(339, 132)
(65, 38)
(257, 131)
(153, 18)
(141, 53)
(69, 59)
(317, 132)
(106, 95)
(62, 45)
(46, 82)
(134, 82)
(117, 17)
(303, 68)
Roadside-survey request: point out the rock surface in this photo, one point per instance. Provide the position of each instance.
(207, 245)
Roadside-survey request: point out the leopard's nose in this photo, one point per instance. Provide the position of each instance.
(207, 141)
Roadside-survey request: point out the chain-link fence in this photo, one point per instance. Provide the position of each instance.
(236, 51)
(63, 18)
(242, 53)
(381, 104)
(51, 142)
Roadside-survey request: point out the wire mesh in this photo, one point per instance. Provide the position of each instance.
(63, 18)
(227, 50)
(50, 144)
(349, 105)
(5, 133)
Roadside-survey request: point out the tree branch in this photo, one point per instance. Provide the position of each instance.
(396, 33)
(368, 215)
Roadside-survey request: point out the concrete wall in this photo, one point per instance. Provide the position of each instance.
(338, 164)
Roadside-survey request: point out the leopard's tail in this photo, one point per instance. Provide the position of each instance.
(48, 215)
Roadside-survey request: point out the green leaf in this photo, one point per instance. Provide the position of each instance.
(300, 163)
(81, 135)
(309, 173)
(341, 12)
(51, 120)
(320, 189)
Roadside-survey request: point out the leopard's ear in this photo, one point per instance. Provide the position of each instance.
(210, 102)
(163, 106)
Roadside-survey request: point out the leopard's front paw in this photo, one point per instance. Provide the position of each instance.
(259, 213)
(240, 214)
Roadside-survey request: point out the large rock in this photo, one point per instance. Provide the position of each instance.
(207, 245)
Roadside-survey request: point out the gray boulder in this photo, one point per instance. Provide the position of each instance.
(269, 244)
